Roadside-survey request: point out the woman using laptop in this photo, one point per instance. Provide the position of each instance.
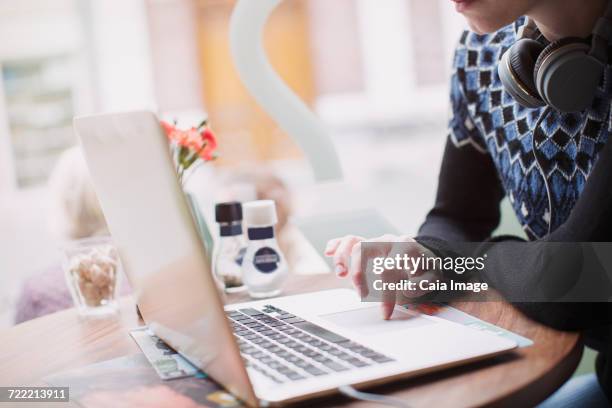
(531, 98)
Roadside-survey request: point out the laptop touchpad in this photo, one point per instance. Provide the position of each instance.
(369, 320)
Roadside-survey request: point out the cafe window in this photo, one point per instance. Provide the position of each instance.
(39, 105)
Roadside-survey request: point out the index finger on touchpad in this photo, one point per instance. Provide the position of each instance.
(368, 321)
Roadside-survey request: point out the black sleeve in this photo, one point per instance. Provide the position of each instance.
(468, 197)
(469, 189)
(517, 270)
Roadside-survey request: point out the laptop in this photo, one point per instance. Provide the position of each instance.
(266, 352)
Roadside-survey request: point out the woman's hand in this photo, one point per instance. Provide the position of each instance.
(346, 253)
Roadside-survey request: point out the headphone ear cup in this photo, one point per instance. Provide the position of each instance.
(516, 72)
(551, 48)
(566, 76)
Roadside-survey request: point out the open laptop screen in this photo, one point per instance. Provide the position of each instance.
(161, 252)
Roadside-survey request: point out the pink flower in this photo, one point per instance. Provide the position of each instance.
(203, 142)
(210, 141)
(168, 129)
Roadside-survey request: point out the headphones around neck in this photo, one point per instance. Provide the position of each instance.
(564, 74)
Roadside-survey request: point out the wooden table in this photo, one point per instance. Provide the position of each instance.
(61, 341)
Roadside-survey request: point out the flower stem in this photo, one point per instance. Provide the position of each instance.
(193, 169)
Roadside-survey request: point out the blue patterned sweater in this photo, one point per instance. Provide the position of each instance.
(556, 170)
(542, 157)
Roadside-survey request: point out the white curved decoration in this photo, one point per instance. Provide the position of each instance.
(275, 97)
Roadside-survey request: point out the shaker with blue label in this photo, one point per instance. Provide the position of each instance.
(229, 251)
(263, 268)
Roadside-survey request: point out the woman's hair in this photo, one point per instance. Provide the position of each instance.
(74, 210)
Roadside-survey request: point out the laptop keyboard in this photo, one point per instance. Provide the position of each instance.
(285, 347)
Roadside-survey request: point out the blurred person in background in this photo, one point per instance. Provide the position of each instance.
(74, 213)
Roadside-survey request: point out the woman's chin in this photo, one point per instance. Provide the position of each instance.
(478, 29)
(483, 26)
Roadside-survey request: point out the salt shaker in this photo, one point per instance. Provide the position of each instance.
(263, 268)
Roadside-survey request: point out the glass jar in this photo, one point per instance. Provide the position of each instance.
(91, 267)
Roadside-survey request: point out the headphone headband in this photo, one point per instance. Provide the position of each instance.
(602, 34)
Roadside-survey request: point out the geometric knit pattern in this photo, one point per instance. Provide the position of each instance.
(543, 157)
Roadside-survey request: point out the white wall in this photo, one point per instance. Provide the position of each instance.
(120, 56)
(174, 52)
(391, 94)
(37, 28)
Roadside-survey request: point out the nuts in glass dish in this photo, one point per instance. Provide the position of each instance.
(91, 268)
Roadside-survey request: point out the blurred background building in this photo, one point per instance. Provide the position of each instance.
(375, 72)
